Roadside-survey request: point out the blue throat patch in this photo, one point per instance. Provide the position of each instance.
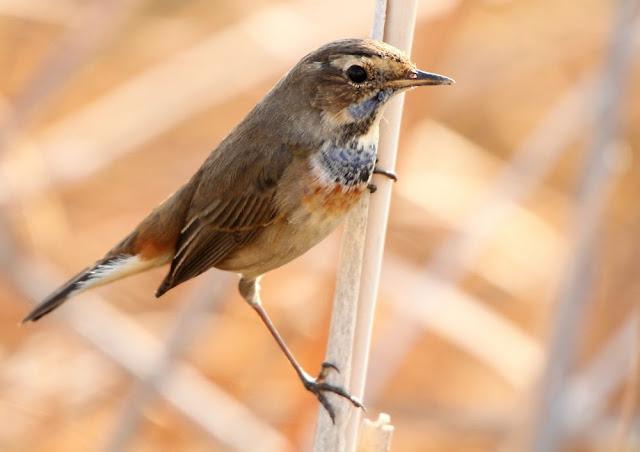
(367, 107)
(351, 163)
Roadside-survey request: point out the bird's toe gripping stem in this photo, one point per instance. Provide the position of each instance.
(318, 386)
(390, 174)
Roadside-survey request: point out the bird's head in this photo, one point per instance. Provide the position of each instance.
(351, 80)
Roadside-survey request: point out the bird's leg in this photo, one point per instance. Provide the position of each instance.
(249, 289)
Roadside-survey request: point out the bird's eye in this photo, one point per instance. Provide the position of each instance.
(356, 74)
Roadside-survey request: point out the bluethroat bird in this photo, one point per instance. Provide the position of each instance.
(280, 182)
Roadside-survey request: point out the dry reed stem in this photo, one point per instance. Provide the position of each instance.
(359, 271)
(594, 186)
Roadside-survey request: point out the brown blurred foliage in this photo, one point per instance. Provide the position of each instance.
(106, 107)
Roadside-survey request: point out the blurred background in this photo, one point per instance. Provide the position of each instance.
(508, 309)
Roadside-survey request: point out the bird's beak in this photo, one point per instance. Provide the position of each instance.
(421, 78)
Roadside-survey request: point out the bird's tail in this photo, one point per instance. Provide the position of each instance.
(109, 269)
(149, 245)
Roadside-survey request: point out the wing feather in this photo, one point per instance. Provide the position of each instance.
(228, 210)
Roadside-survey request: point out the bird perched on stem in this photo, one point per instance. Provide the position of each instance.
(280, 182)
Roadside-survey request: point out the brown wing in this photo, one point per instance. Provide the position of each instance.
(235, 199)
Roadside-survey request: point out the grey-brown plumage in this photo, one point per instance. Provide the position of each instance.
(275, 186)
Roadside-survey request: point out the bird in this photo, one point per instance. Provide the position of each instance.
(275, 186)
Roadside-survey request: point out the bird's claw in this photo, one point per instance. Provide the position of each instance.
(318, 386)
(390, 174)
(324, 370)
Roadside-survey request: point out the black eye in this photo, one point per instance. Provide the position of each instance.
(356, 74)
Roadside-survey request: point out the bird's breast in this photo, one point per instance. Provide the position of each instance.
(339, 174)
(332, 200)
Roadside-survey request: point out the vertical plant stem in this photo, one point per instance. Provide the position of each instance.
(361, 256)
(398, 31)
(592, 194)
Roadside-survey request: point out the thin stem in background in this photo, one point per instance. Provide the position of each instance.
(592, 194)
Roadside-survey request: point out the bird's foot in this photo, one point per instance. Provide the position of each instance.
(390, 174)
(319, 387)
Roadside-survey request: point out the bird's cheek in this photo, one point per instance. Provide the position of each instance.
(336, 119)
